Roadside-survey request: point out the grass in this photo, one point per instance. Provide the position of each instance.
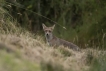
(22, 51)
(65, 51)
(99, 63)
(10, 62)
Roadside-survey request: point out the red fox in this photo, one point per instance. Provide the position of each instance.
(55, 41)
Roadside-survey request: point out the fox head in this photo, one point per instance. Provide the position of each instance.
(48, 31)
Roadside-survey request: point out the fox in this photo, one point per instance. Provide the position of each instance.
(55, 41)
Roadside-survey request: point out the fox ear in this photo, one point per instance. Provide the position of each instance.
(53, 26)
(44, 26)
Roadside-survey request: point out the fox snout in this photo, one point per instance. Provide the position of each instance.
(47, 34)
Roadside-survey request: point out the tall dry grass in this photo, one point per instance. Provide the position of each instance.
(22, 51)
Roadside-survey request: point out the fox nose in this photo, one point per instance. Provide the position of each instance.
(47, 34)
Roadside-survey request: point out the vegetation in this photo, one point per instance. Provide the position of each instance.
(22, 47)
(83, 20)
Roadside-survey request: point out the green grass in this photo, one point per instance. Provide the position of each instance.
(99, 64)
(50, 66)
(10, 62)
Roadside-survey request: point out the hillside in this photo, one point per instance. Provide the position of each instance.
(23, 47)
(21, 50)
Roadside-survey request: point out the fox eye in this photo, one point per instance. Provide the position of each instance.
(49, 31)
